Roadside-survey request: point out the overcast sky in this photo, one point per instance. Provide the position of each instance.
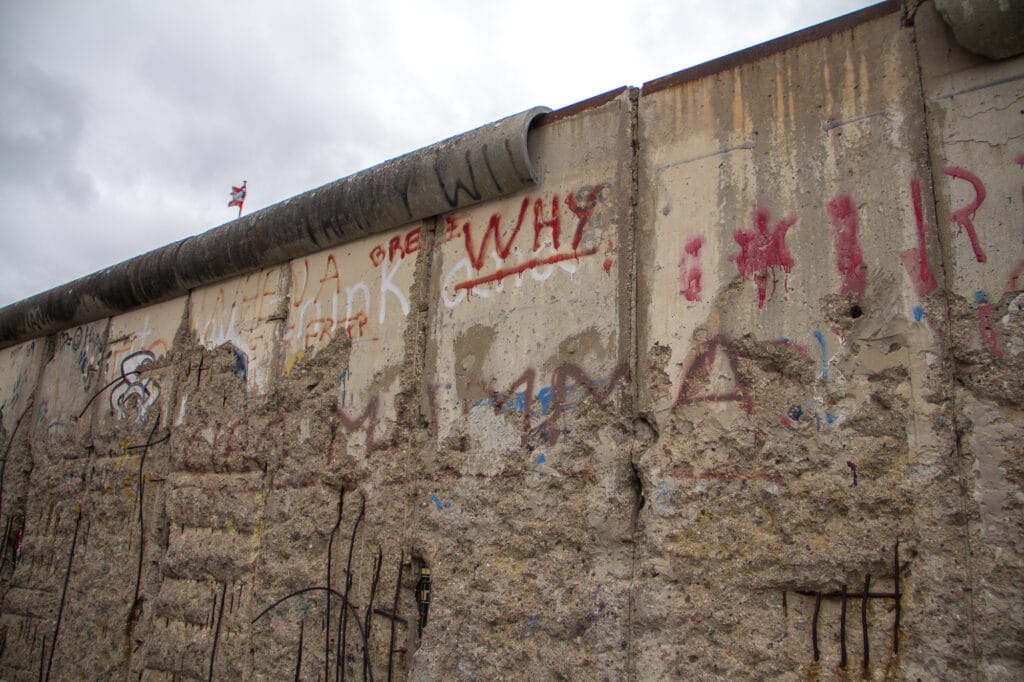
(124, 124)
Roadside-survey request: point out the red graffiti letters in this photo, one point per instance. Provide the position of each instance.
(690, 269)
(722, 380)
(964, 217)
(547, 221)
(367, 421)
(493, 232)
(539, 224)
(986, 330)
(1020, 162)
(849, 258)
(762, 250)
(565, 379)
(915, 260)
(402, 245)
(584, 211)
(1018, 270)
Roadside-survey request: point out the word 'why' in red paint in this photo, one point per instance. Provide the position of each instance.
(581, 205)
(762, 250)
(849, 258)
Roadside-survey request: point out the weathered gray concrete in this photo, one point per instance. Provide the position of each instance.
(780, 352)
(752, 342)
(524, 508)
(976, 131)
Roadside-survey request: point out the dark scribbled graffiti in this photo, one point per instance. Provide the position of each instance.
(132, 392)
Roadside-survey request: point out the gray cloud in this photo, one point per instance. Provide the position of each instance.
(124, 124)
(40, 133)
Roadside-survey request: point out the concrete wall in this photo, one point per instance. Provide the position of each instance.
(734, 391)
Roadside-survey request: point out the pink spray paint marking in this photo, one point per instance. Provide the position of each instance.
(986, 330)
(915, 261)
(1020, 162)
(849, 258)
(761, 251)
(1018, 270)
(690, 269)
(964, 217)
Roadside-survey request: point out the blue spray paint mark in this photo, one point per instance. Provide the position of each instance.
(666, 496)
(343, 378)
(918, 313)
(980, 297)
(824, 354)
(541, 459)
(544, 397)
(437, 502)
(240, 365)
(543, 401)
(830, 418)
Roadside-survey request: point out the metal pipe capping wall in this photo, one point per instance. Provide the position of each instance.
(483, 164)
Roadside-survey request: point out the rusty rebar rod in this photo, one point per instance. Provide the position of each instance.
(216, 632)
(394, 612)
(898, 595)
(842, 630)
(64, 592)
(298, 654)
(340, 656)
(330, 558)
(367, 619)
(864, 621)
(814, 627)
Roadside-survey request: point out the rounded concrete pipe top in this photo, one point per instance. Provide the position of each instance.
(483, 164)
(990, 28)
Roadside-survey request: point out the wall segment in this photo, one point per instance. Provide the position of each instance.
(789, 318)
(729, 389)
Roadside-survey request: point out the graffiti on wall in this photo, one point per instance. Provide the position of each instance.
(399, 246)
(690, 271)
(714, 376)
(849, 258)
(328, 299)
(133, 392)
(763, 250)
(238, 313)
(22, 361)
(964, 217)
(504, 248)
(570, 384)
(85, 344)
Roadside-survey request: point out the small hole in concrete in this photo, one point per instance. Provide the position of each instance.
(855, 311)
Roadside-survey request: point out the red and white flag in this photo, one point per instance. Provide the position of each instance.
(238, 197)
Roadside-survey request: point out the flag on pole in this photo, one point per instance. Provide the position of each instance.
(238, 197)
